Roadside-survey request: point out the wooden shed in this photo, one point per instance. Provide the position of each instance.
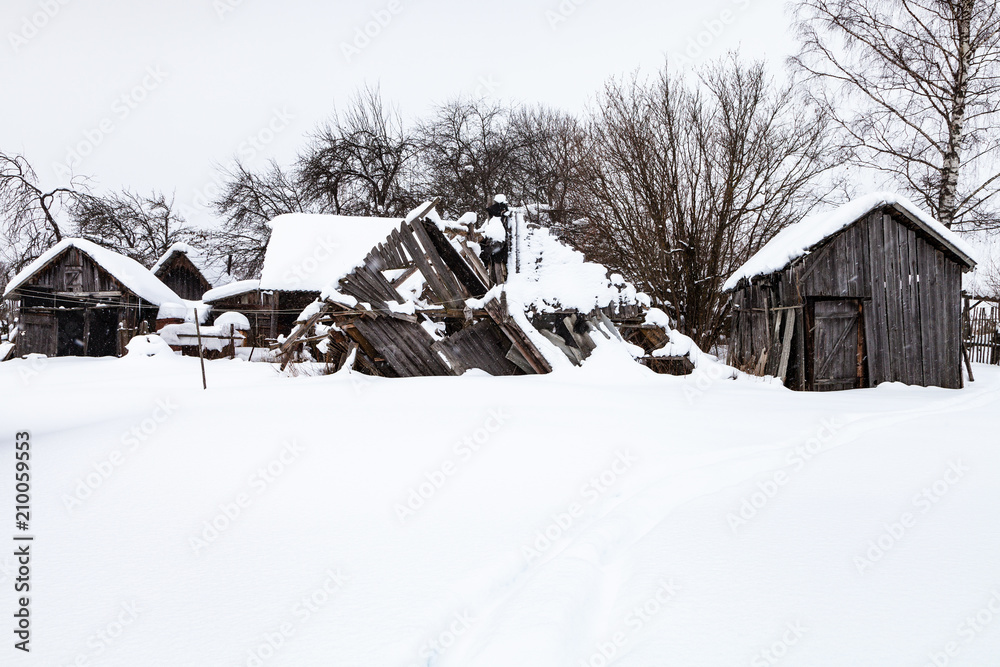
(866, 294)
(189, 272)
(79, 299)
(246, 297)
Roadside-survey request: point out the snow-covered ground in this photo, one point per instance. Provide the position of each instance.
(600, 515)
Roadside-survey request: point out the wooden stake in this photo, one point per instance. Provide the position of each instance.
(968, 364)
(201, 357)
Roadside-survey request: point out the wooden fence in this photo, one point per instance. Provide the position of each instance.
(981, 326)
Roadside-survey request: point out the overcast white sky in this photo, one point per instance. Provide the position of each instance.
(152, 95)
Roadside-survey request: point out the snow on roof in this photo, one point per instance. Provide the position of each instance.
(308, 252)
(231, 289)
(797, 240)
(184, 309)
(213, 269)
(125, 270)
(554, 276)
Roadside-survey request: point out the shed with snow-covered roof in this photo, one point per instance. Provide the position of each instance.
(80, 299)
(865, 294)
(189, 272)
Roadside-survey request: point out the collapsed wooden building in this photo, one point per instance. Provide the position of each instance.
(304, 253)
(866, 294)
(424, 302)
(79, 299)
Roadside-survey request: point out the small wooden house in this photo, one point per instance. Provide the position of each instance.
(80, 299)
(866, 294)
(189, 272)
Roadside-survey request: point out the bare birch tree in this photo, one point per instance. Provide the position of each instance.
(916, 89)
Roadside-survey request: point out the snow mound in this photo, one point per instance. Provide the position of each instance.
(148, 345)
(554, 276)
(238, 321)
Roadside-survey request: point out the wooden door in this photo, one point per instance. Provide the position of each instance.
(72, 334)
(838, 345)
(37, 334)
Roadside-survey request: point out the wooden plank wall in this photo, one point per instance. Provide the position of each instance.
(913, 326)
(911, 295)
(451, 276)
(56, 275)
(38, 334)
(482, 345)
(183, 277)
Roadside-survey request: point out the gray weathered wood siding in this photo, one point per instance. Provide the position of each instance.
(909, 287)
(183, 277)
(60, 275)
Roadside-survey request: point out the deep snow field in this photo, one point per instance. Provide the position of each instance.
(600, 515)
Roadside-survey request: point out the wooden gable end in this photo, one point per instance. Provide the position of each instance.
(181, 275)
(72, 272)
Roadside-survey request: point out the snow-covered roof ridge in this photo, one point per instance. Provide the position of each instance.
(125, 270)
(213, 269)
(231, 289)
(308, 252)
(799, 239)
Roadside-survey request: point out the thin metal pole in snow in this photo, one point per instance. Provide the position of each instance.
(201, 358)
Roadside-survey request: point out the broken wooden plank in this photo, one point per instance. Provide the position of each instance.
(498, 310)
(444, 272)
(786, 344)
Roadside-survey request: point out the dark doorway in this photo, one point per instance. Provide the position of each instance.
(838, 345)
(102, 339)
(69, 340)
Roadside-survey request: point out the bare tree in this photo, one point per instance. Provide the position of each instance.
(248, 201)
(470, 150)
(916, 91)
(553, 150)
(684, 181)
(139, 226)
(28, 212)
(358, 163)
